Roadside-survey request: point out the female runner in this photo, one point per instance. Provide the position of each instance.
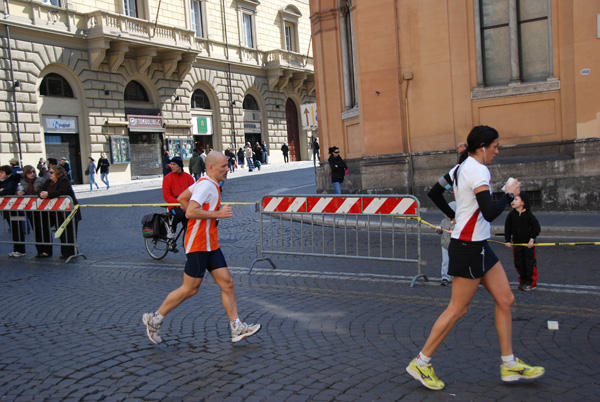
(472, 261)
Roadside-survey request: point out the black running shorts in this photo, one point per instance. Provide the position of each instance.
(470, 259)
(198, 262)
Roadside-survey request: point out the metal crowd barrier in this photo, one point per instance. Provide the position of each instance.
(28, 213)
(341, 226)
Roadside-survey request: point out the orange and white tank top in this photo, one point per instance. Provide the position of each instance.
(202, 234)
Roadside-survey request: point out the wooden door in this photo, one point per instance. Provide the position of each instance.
(293, 132)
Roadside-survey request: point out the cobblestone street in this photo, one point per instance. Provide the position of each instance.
(333, 329)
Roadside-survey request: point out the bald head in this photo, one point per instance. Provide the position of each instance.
(214, 158)
(217, 166)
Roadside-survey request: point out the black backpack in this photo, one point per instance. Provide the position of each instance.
(152, 226)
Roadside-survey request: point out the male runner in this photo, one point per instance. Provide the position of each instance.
(201, 203)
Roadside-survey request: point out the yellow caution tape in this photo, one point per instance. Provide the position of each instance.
(62, 227)
(156, 205)
(589, 243)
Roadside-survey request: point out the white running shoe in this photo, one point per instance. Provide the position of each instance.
(152, 328)
(16, 254)
(244, 330)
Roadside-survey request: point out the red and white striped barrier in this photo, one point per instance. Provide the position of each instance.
(342, 205)
(32, 203)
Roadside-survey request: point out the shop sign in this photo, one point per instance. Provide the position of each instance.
(142, 123)
(60, 124)
(202, 125)
(252, 127)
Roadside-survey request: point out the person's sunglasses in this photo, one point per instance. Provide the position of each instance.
(50, 172)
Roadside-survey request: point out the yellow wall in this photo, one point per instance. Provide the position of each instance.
(435, 41)
(378, 79)
(586, 54)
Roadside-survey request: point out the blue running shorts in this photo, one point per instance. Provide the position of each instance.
(198, 262)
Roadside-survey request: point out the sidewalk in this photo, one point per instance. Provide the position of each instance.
(82, 191)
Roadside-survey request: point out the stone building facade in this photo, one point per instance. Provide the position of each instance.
(136, 78)
(401, 82)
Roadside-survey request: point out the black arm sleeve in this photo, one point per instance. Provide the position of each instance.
(489, 209)
(437, 196)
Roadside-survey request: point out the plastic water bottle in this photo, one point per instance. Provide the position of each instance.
(20, 187)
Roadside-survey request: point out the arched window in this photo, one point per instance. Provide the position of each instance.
(250, 103)
(135, 92)
(200, 100)
(55, 85)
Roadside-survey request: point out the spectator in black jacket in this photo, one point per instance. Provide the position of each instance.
(338, 169)
(8, 186)
(60, 185)
(522, 227)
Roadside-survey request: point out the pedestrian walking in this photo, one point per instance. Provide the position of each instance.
(91, 172)
(241, 156)
(202, 205)
(522, 227)
(196, 165)
(316, 148)
(249, 157)
(338, 169)
(230, 154)
(285, 150)
(103, 165)
(257, 155)
(66, 165)
(472, 260)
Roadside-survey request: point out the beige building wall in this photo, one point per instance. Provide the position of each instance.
(97, 50)
(419, 92)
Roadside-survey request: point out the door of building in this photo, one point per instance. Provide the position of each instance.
(60, 146)
(293, 131)
(145, 142)
(61, 137)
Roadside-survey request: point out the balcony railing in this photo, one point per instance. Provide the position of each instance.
(289, 60)
(111, 25)
(116, 27)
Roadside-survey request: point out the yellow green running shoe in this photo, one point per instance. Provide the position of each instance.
(521, 371)
(424, 374)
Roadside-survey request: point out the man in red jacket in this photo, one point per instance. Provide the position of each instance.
(174, 184)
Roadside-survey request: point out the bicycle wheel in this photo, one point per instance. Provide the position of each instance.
(158, 247)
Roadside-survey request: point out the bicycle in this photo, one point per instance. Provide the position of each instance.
(159, 247)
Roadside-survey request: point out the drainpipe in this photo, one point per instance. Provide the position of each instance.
(14, 85)
(230, 89)
(405, 77)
